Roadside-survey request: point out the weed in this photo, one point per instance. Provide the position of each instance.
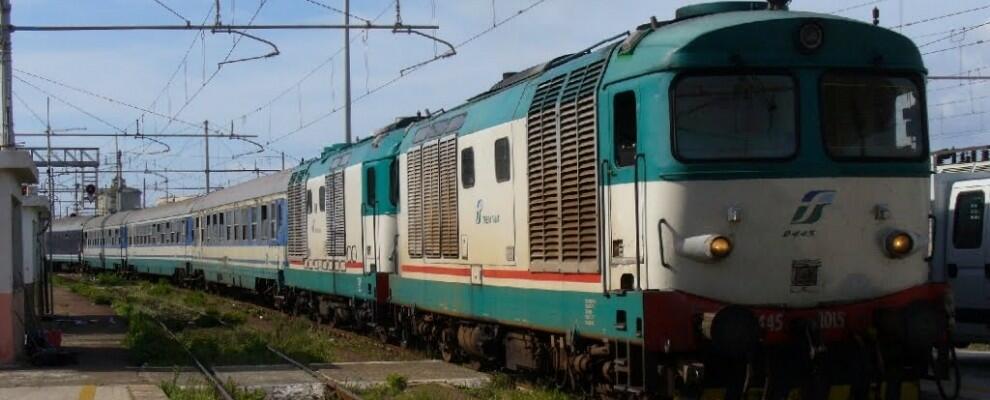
(202, 391)
(161, 288)
(194, 299)
(503, 387)
(396, 383)
(109, 280)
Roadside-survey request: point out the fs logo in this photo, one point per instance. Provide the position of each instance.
(812, 206)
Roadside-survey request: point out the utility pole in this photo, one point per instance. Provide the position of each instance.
(6, 79)
(283, 161)
(48, 134)
(347, 71)
(206, 137)
(120, 178)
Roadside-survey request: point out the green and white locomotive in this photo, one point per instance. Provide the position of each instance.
(735, 198)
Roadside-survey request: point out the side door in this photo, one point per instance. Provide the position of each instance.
(967, 265)
(623, 177)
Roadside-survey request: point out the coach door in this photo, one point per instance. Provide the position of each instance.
(967, 263)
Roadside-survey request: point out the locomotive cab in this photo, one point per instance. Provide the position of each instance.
(765, 179)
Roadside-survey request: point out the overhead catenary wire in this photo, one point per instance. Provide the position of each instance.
(167, 148)
(327, 61)
(860, 5)
(337, 10)
(940, 17)
(206, 82)
(171, 10)
(399, 77)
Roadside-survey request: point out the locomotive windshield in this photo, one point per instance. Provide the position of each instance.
(872, 117)
(733, 117)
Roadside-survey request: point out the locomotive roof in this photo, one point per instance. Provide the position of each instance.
(381, 145)
(733, 40)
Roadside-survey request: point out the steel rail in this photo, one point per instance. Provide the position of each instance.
(203, 368)
(341, 391)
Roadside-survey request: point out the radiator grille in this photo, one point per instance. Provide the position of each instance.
(298, 246)
(336, 245)
(432, 178)
(562, 168)
(414, 200)
(448, 198)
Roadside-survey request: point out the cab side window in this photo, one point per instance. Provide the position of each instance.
(467, 168)
(967, 230)
(502, 162)
(624, 128)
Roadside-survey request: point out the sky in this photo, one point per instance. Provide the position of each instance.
(169, 82)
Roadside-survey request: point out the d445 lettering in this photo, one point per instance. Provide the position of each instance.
(799, 233)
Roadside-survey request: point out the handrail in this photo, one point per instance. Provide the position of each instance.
(663, 257)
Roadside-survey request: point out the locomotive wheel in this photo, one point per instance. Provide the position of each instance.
(447, 346)
(945, 372)
(382, 333)
(332, 320)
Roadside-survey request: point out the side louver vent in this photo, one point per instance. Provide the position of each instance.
(414, 200)
(432, 178)
(336, 246)
(562, 168)
(298, 246)
(448, 198)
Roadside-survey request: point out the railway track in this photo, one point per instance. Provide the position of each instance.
(336, 389)
(340, 392)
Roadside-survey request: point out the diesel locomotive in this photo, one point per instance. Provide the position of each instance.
(732, 199)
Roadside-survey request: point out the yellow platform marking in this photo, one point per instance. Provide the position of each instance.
(88, 392)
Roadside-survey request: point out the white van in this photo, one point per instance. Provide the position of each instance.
(961, 253)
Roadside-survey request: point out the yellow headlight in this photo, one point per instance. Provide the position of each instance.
(899, 244)
(720, 247)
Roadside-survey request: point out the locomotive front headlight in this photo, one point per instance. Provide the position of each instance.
(720, 247)
(899, 244)
(706, 248)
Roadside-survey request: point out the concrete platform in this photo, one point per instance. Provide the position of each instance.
(373, 373)
(85, 392)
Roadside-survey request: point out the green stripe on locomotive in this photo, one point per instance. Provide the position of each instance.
(589, 314)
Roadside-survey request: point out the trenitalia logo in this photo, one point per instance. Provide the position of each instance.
(812, 206)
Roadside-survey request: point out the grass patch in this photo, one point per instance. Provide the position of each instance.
(503, 387)
(202, 391)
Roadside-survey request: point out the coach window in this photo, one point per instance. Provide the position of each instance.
(309, 202)
(264, 222)
(254, 223)
(967, 232)
(624, 128)
(502, 160)
(467, 167)
(323, 198)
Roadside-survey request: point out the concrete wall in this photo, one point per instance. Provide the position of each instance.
(9, 241)
(16, 168)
